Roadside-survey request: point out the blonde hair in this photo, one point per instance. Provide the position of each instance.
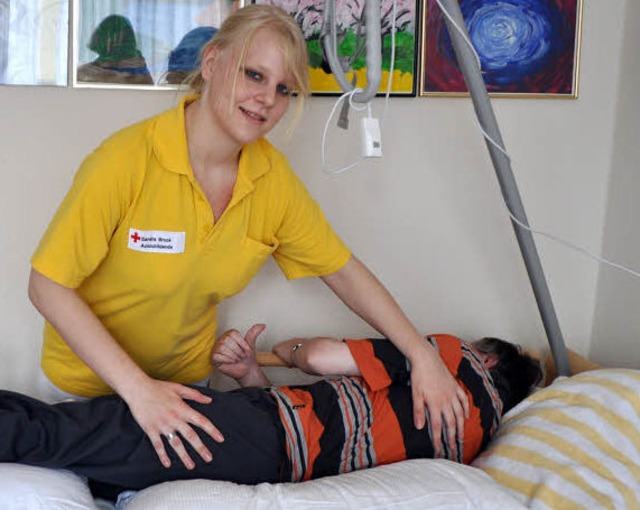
(237, 32)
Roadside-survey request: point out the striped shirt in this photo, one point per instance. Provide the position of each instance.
(352, 423)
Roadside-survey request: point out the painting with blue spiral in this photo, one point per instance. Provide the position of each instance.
(526, 47)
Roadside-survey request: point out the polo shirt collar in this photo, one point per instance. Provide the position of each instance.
(170, 139)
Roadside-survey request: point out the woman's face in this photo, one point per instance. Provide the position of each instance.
(262, 93)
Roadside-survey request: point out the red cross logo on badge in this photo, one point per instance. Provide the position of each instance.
(135, 237)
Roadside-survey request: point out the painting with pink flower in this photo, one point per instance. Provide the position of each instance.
(351, 42)
(526, 48)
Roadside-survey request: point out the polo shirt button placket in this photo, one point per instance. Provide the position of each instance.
(204, 214)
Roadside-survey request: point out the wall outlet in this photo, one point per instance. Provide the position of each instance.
(371, 138)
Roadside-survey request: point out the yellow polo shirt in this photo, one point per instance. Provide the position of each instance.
(136, 237)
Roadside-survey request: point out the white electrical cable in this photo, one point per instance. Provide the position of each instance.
(349, 94)
(575, 247)
(516, 220)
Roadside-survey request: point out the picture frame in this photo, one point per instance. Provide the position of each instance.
(140, 44)
(527, 48)
(349, 14)
(34, 42)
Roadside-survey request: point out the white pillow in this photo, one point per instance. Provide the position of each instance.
(412, 484)
(34, 488)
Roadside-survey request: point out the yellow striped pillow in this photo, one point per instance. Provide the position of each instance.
(573, 445)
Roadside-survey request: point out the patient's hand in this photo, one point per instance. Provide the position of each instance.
(235, 356)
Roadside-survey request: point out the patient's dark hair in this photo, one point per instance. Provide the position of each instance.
(515, 374)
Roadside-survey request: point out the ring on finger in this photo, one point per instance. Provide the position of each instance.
(171, 436)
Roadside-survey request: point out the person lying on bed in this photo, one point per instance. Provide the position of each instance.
(275, 434)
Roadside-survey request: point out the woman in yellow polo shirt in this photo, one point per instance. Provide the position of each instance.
(170, 216)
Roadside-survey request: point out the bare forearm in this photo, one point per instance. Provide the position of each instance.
(85, 334)
(318, 356)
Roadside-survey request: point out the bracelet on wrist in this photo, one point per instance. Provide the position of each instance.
(294, 348)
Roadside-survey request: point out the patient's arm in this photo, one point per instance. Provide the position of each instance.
(235, 355)
(318, 356)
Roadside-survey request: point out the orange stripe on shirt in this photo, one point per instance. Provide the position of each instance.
(387, 436)
(472, 432)
(450, 352)
(371, 368)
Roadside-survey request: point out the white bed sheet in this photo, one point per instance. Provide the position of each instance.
(409, 485)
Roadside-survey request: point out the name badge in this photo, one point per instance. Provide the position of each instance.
(156, 241)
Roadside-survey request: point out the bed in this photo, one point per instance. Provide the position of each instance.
(574, 444)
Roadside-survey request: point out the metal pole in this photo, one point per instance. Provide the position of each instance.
(484, 111)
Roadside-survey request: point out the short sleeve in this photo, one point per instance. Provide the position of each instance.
(77, 239)
(380, 362)
(308, 245)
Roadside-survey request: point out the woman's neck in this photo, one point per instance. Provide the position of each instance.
(209, 147)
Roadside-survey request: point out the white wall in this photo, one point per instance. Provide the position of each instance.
(427, 218)
(617, 322)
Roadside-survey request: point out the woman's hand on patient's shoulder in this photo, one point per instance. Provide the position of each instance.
(436, 391)
(235, 355)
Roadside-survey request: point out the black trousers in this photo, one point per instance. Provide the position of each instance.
(101, 440)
